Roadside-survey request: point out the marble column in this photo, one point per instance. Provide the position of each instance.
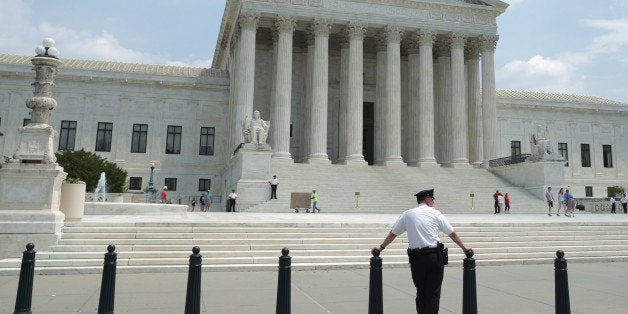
(318, 121)
(344, 94)
(307, 108)
(280, 122)
(458, 118)
(393, 96)
(245, 72)
(379, 120)
(443, 106)
(426, 99)
(355, 99)
(474, 102)
(489, 110)
(414, 98)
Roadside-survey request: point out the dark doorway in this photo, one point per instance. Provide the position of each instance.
(368, 131)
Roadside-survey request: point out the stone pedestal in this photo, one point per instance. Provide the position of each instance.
(533, 176)
(29, 206)
(248, 174)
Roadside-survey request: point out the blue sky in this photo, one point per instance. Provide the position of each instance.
(563, 46)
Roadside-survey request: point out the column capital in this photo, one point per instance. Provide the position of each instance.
(393, 33)
(472, 49)
(320, 27)
(441, 48)
(248, 20)
(489, 42)
(426, 37)
(457, 40)
(355, 29)
(284, 24)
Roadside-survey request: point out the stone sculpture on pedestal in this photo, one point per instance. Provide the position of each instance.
(255, 130)
(541, 146)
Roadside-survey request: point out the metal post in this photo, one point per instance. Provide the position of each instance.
(25, 286)
(193, 294)
(561, 284)
(376, 293)
(108, 283)
(283, 284)
(469, 290)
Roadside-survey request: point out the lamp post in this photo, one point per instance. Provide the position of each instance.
(45, 65)
(150, 191)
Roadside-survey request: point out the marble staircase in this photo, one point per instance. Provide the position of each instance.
(166, 246)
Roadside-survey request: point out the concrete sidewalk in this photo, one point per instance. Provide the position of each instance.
(594, 288)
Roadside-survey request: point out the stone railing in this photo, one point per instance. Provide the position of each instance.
(510, 160)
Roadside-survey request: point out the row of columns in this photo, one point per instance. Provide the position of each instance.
(455, 110)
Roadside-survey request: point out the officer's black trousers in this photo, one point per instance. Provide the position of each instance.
(427, 275)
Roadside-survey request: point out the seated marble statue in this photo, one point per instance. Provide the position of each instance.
(540, 142)
(255, 130)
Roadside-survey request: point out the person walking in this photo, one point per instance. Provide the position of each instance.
(561, 202)
(193, 203)
(423, 224)
(624, 203)
(507, 203)
(571, 203)
(550, 200)
(501, 202)
(208, 200)
(202, 201)
(232, 201)
(612, 205)
(496, 202)
(314, 199)
(164, 195)
(273, 187)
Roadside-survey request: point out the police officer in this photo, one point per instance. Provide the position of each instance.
(426, 262)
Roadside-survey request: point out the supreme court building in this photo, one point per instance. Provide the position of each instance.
(354, 83)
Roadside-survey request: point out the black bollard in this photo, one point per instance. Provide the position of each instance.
(108, 284)
(376, 292)
(561, 284)
(469, 290)
(193, 294)
(25, 286)
(283, 283)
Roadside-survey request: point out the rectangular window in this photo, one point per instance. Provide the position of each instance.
(135, 183)
(171, 183)
(562, 150)
(103, 136)
(26, 122)
(67, 136)
(138, 141)
(515, 148)
(608, 156)
(173, 140)
(206, 146)
(588, 191)
(585, 155)
(204, 184)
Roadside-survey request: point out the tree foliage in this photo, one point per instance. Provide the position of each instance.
(87, 166)
(613, 191)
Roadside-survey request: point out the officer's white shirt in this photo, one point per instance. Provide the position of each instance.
(233, 195)
(624, 199)
(273, 181)
(422, 224)
(612, 200)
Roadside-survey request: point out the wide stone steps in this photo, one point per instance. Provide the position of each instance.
(164, 247)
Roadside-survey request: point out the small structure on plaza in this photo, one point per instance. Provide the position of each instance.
(101, 188)
(255, 130)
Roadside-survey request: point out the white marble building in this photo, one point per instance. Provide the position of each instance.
(357, 82)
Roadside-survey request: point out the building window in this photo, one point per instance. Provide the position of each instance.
(207, 142)
(588, 191)
(204, 184)
(67, 136)
(171, 183)
(135, 183)
(25, 122)
(103, 136)
(562, 150)
(585, 155)
(138, 141)
(515, 148)
(173, 140)
(608, 156)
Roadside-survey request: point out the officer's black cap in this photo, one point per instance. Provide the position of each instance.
(425, 193)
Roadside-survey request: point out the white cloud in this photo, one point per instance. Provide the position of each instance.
(615, 38)
(542, 74)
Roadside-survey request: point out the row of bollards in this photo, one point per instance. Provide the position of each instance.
(193, 293)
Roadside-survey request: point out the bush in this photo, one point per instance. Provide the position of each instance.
(86, 166)
(580, 207)
(613, 191)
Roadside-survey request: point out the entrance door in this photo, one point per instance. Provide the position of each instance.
(368, 131)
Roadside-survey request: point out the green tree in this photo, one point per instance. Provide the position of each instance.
(615, 190)
(87, 166)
